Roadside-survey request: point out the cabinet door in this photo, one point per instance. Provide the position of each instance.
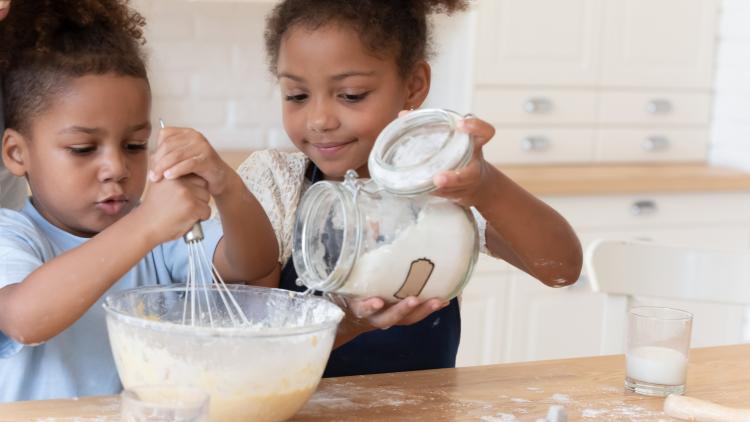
(538, 42)
(659, 43)
(548, 323)
(483, 307)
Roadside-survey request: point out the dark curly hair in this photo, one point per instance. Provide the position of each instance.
(385, 27)
(46, 43)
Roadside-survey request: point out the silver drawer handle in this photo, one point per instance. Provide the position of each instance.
(655, 143)
(537, 105)
(534, 143)
(659, 106)
(644, 207)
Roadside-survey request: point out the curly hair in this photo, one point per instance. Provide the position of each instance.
(386, 27)
(47, 43)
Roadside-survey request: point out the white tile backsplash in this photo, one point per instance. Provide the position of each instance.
(731, 122)
(208, 71)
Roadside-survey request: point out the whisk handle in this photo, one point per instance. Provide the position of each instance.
(195, 234)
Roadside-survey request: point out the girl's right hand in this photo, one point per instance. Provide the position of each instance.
(171, 207)
(368, 314)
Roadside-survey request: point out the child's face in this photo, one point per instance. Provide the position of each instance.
(4, 9)
(86, 156)
(337, 96)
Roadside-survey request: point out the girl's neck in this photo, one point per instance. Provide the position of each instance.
(363, 172)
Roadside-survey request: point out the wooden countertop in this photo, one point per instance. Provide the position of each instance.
(607, 179)
(594, 180)
(589, 388)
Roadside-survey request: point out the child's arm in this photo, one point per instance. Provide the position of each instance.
(248, 251)
(56, 294)
(521, 229)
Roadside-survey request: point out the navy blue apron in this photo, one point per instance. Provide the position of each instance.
(429, 344)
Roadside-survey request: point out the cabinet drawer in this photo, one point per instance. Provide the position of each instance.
(510, 106)
(622, 145)
(539, 146)
(654, 107)
(654, 211)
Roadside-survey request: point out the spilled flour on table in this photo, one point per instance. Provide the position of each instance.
(593, 413)
(561, 398)
(500, 417)
(350, 396)
(78, 419)
(338, 402)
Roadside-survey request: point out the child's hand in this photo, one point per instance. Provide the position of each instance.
(465, 185)
(368, 314)
(171, 207)
(183, 151)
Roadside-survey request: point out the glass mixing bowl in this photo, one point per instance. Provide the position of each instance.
(262, 371)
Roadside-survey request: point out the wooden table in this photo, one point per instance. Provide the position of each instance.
(589, 388)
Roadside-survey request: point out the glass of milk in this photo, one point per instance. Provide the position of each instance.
(657, 350)
(163, 403)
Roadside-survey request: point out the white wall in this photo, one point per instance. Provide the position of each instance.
(208, 71)
(731, 120)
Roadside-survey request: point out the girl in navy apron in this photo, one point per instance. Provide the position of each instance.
(345, 69)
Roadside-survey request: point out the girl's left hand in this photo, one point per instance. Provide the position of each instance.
(183, 151)
(464, 186)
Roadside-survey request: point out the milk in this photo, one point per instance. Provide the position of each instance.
(656, 365)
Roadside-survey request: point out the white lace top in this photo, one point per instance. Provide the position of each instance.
(277, 179)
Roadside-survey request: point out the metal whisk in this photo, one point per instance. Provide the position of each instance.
(206, 294)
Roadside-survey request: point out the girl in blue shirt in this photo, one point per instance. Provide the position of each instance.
(77, 104)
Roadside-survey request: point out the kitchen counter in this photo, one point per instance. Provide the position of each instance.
(589, 388)
(607, 179)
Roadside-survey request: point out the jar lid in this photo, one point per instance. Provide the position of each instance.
(415, 147)
(325, 236)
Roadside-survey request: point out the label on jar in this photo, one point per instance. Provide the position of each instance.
(419, 272)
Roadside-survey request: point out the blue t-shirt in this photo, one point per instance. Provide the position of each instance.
(78, 361)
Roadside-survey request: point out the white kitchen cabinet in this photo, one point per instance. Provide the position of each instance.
(547, 323)
(538, 42)
(657, 43)
(508, 316)
(483, 307)
(611, 67)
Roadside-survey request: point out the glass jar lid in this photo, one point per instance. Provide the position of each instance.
(325, 234)
(415, 147)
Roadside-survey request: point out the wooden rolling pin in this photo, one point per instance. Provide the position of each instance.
(692, 409)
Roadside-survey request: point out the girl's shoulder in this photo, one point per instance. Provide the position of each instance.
(272, 159)
(274, 173)
(276, 179)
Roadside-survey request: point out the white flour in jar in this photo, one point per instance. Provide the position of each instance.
(427, 259)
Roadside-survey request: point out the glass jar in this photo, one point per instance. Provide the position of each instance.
(386, 237)
(412, 149)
